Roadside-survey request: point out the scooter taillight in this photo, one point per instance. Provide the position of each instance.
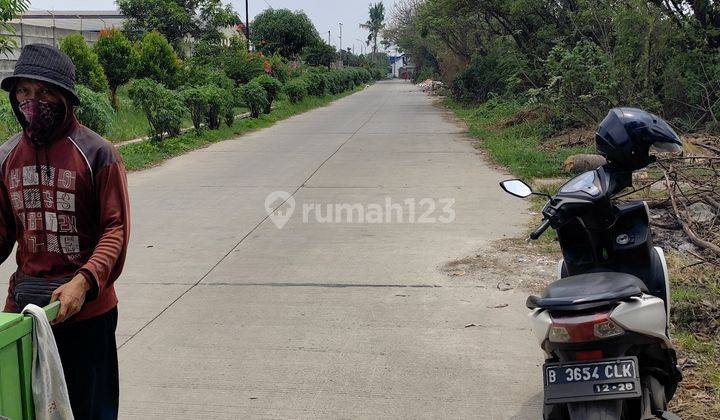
(589, 355)
(583, 328)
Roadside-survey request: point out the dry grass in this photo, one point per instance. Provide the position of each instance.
(695, 314)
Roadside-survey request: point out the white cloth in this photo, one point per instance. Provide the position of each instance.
(49, 390)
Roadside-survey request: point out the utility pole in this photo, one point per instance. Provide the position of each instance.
(247, 26)
(340, 37)
(328, 37)
(341, 50)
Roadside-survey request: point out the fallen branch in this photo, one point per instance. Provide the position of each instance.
(686, 227)
(708, 147)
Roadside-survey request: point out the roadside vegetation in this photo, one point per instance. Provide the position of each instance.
(145, 154)
(532, 80)
(148, 80)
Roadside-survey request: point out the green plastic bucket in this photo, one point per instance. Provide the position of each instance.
(16, 400)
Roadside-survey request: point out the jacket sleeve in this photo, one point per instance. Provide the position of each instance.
(7, 224)
(108, 257)
(7, 240)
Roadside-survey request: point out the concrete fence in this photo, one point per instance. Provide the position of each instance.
(31, 34)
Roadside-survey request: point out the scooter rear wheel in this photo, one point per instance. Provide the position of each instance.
(555, 412)
(595, 410)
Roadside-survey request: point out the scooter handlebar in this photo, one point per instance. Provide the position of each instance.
(540, 230)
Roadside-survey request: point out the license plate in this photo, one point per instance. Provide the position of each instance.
(585, 381)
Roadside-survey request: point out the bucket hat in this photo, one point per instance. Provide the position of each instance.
(46, 64)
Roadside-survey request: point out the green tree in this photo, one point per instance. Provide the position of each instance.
(157, 59)
(211, 17)
(118, 58)
(702, 14)
(320, 54)
(282, 31)
(375, 25)
(202, 19)
(88, 70)
(9, 9)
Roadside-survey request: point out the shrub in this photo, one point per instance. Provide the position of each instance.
(242, 66)
(118, 59)
(486, 75)
(279, 67)
(8, 121)
(220, 103)
(94, 111)
(254, 97)
(234, 99)
(88, 70)
(581, 82)
(197, 102)
(200, 75)
(272, 88)
(365, 76)
(335, 82)
(157, 59)
(377, 73)
(207, 104)
(347, 79)
(163, 107)
(296, 90)
(316, 84)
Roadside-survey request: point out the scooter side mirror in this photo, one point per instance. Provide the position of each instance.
(516, 187)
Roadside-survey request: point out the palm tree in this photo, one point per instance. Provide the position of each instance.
(375, 24)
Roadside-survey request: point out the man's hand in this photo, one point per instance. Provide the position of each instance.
(71, 296)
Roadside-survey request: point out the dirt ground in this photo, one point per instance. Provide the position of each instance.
(532, 268)
(534, 265)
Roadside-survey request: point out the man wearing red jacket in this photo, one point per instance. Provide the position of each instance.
(63, 199)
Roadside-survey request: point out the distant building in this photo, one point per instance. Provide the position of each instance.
(401, 65)
(48, 27)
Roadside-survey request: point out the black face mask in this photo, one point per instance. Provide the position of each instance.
(42, 120)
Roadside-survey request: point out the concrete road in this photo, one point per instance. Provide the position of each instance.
(342, 312)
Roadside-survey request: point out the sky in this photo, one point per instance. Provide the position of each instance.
(325, 14)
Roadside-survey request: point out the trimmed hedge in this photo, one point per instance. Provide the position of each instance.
(296, 90)
(317, 84)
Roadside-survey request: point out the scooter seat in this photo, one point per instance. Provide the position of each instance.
(586, 291)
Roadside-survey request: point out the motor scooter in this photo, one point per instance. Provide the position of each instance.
(604, 324)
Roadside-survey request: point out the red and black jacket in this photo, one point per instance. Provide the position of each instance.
(66, 205)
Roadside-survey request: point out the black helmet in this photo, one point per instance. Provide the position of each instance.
(626, 135)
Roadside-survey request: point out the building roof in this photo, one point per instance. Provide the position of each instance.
(85, 20)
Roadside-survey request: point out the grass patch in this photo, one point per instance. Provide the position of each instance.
(513, 142)
(148, 153)
(695, 310)
(128, 122)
